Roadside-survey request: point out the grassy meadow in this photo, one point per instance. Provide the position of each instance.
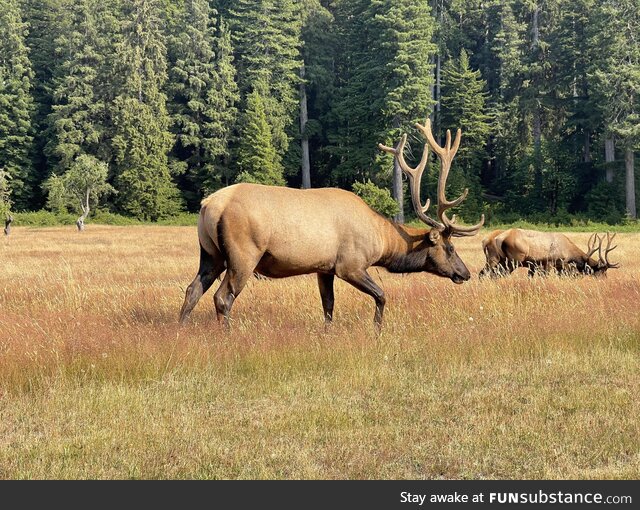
(515, 378)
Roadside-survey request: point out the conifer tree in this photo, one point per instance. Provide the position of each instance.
(46, 23)
(388, 87)
(141, 138)
(266, 38)
(258, 159)
(223, 97)
(618, 83)
(16, 104)
(203, 96)
(75, 124)
(464, 98)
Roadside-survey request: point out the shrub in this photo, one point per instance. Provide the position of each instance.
(379, 199)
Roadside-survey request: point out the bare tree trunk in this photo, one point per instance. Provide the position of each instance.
(537, 150)
(535, 30)
(537, 121)
(630, 183)
(85, 212)
(609, 157)
(398, 194)
(7, 225)
(304, 118)
(587, 145)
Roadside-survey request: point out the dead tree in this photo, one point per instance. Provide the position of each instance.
(7, 225)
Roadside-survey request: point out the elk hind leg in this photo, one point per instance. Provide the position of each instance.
(210, 268)
(232, 284)
(325, 283)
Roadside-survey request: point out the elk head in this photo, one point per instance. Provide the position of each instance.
(600, 267)
(440, 256)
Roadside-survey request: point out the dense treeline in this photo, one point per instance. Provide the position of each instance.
(145, 106)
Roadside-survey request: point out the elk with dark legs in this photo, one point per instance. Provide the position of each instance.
(279, 232)
(542, 252)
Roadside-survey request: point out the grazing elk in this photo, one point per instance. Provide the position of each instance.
(279, 232)
(506, 250)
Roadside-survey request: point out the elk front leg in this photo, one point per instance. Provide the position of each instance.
(363, 282)
(325, 283)
(210, 269)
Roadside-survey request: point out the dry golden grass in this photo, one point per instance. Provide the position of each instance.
(517, 378)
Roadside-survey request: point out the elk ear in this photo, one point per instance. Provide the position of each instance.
(434, 235)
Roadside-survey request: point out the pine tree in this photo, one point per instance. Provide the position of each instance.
(190, 80)
(46, 23)
(258, 159)
(76, 124)
(203, 96)
(141, 139)
(266, 38)
(387, 87)
(223, 97)
(618, 82)
(464, 98)
(16, 105)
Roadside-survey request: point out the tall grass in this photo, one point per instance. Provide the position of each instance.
(514, 378)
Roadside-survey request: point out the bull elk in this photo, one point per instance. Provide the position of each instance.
(279, 232)
(506, 250)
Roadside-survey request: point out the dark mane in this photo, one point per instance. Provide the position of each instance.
(412, 262)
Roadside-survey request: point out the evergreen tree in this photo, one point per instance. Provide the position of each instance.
(387, 87)
(204, 94)
(464, 98)
(16, 104)
(618, 82)
(266, 38)
(258, 159)
(46, 23)
(76, 124)
(141, 139)
(223, 97)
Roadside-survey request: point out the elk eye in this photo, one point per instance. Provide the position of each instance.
(450, 250)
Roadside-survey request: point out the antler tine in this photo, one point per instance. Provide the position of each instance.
(446, 155)
(415, 177)
(591, 247)
(610, 238)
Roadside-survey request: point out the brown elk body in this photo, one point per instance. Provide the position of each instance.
(541, 252)
(279, 232)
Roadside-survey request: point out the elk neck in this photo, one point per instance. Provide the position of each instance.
(404, 249)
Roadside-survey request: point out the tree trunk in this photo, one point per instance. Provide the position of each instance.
(535, 30)
(85, 212)
(7, 225)
(438, 93)
(537, 151)
(398, 194)
(304, 118)
(587, 145)
(630, 183)
(609, 157)
(537, 121)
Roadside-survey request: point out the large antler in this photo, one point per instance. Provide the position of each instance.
(415, 177)
(604, 261)
(591, 245)
(446, 155)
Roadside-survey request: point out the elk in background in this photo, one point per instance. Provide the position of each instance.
(541, 252)
(279, 232)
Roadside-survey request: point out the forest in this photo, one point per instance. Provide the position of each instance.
(143, 107)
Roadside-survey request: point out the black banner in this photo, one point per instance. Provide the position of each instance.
(282, 495)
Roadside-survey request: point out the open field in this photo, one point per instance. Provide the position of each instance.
(517, 378)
